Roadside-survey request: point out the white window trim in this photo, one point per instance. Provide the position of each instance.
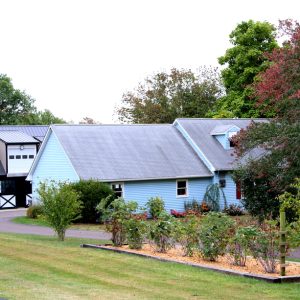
(123, 187)
(187, 188)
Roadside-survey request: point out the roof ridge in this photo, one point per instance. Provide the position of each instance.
(117, 125)
(18, 125)
(222, 119)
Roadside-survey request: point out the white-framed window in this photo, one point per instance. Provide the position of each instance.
(118, 188)
(182, 188)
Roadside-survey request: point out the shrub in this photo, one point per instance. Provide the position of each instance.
(265, 247)
(177, 214)
(193, 205)
(162, 232)
(115, 213)
(61, 205)
(234, 210)
(91, 192)
(136, 230)
(156, 206)
(213, 195)
(34, 211)
(204, 208)
(214, 235)
(187, 234)
(240, 243)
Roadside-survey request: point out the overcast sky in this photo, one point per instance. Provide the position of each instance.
(77, 58)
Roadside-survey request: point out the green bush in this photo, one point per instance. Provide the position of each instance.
(239, 245)
(214, 235)
(162, 232)
(265, 247)
(136, 230)
(233, 210)
(34, 211)
(193, 206)
(61, 205)
(116, 213)
(91, 192)
(187, 234)
(156, 206)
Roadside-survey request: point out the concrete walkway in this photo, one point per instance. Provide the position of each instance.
(6, 225)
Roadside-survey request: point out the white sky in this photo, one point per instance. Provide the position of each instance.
(77, 58)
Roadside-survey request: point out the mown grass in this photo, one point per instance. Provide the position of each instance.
(38, 267)
(42, 222)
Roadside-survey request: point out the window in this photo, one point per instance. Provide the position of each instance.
(182, 190)
(222, 179)
(118, 189)
(24, 156)
(18, 156)
(8, 187)
(11, 157)
(31, 156)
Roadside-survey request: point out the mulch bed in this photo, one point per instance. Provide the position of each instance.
(252, 269)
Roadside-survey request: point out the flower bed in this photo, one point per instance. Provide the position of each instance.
(252, 269)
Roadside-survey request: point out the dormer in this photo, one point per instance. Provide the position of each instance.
(224, 133)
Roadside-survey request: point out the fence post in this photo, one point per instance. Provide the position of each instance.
(282, 243)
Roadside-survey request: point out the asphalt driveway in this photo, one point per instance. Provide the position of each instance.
(6, 225)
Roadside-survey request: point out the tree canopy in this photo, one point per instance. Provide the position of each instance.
(243, 62)
(277, 90)
(166, 96)
(16, 107)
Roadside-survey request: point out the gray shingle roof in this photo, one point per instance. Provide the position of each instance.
(129, 152)
(200, 131)
(221, 129)
(16, 137)
(36, 131)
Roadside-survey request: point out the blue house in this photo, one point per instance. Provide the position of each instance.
(174, 161)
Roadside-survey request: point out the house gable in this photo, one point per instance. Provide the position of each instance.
(52, 163)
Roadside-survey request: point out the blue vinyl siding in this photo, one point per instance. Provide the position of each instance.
(52, 165)
(141, 191)
(229, 190)
(223, 140)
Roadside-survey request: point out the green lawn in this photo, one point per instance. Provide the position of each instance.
(42, 222)
(36, 267)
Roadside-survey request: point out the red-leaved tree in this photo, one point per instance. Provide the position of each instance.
(275, 145)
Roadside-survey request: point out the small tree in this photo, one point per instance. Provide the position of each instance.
(136, 230)
(187, 234)
(214, 235)
(213, 195)
(115, 214)
(61, 205)
(162, 232)
(156, 206)
(240, 243)
(265, 247)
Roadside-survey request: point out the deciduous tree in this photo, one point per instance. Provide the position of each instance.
(166, 96)
(15, 105)
(243, 62)
(278, 90)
